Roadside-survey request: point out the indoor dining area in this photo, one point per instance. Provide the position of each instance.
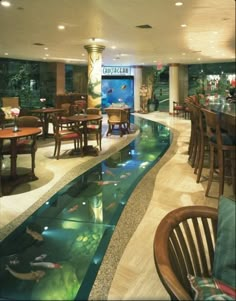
(117, 139)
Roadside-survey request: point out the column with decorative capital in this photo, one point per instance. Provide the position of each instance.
(94, 75)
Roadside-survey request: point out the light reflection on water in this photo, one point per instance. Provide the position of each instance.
(77, 223)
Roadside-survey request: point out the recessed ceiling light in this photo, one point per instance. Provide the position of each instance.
(179, 3)
(6, 53)
(5, 3)
(183, 25)
(61, 27)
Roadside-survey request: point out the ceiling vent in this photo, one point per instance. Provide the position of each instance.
(144, 26)
(38, 44)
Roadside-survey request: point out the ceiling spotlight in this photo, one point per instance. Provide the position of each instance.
(61, 27)
(179, 3)
(5, 3)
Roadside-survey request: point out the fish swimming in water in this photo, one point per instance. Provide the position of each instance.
(110, 173)
(34, 234)
(102, 183)
(72, 209)
(111, 205)
(123, 87)
(33, 275)
(127, 174)
(41, 257)
(45, 264)
(110, 91)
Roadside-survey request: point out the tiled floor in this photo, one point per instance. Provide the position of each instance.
(128, 269)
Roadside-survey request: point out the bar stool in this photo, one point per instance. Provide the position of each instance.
(222, 151)
(194, 135)
(202, 148)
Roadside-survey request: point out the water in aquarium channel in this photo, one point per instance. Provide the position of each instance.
(57, 252)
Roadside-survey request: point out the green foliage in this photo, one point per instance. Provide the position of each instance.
(19, 83)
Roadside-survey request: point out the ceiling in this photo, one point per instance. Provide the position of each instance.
(28, 26)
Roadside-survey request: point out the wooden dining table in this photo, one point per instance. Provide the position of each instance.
(81, 120)
(44, 115)
(9, 182)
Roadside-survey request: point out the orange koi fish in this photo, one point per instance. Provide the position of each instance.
(34, 234)
(72, 209)
(34, 275)
(110, 173)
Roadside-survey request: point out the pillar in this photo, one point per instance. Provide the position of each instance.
(60, 78)
(137, 71)
(173, 85)
(94, 75)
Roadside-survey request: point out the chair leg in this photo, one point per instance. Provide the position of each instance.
(220, 157)
(121, 130)
(58, 149)
(80, 143)
(232, 161)
(32, 164)
(100, 141)
(212, 161)
(55, 149)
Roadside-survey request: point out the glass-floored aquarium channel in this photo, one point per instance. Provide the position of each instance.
(56, 253)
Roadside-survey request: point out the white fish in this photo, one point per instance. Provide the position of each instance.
(41, 257)
(46, 264)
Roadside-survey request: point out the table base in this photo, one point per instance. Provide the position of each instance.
(87, 151)
(8, 183)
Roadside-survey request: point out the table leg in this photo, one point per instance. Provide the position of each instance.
(13, 158)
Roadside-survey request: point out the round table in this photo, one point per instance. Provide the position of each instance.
(83, 119)
(13, 136)
(44, 115)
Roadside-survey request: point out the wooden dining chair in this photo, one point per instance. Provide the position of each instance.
(222, 152)
(62, 117)
(184, 243)
(94, 127)
(117, 117)
(26, 145)
(65, 135)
